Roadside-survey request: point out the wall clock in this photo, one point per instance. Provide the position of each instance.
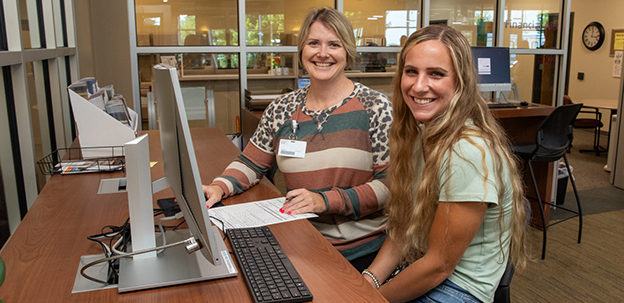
(593, 36)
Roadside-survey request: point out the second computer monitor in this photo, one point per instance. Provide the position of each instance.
(492, 65)
(180, 164)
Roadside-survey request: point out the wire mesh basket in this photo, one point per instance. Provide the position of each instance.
(83, 160)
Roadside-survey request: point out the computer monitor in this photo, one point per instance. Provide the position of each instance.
(492, 65)
(175, 265)
(179, 160)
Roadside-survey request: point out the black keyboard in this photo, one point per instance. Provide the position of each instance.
(269, 274)
(503, 105)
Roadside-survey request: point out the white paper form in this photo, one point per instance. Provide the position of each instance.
(253, 214)
(484, 66)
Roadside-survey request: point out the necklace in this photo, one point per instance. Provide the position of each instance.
(321, 117)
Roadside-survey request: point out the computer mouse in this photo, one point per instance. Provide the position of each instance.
(524, 103)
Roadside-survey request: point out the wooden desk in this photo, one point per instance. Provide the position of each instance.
(610, 104)
(42, 255)
(521, 124)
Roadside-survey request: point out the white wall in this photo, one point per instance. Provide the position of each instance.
(597, 65)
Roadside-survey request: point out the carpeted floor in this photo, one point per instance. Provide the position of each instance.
(597, 195)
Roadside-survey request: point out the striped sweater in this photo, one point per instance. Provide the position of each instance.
(346, 161)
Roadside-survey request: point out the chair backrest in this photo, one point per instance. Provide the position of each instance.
(503, 292)
(555, 133)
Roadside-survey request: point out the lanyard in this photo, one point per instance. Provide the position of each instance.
(295, 126)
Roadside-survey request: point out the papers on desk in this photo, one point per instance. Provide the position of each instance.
(78, 167)
(253, 214)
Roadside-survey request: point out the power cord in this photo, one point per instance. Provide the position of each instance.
(115, 231)
(222, 226)
(113, 252)
(189, 241)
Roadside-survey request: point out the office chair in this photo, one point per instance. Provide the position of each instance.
(588, 123)
(503, 292)
(553, 138)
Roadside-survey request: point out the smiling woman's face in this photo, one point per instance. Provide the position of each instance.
(324, 55)
(428, 80)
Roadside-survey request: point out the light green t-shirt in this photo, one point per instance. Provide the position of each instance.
(481, 267)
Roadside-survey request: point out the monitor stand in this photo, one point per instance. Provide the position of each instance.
(174, 266)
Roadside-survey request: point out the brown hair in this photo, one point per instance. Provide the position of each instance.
(334, 20)
(412, 205)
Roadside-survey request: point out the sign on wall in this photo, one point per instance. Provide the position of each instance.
(617, 64)
(617, 40)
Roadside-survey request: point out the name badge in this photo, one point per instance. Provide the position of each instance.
(292, 148)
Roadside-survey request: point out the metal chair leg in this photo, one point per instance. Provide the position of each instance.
(578, 200)
(596, 148)
(541, 208)
(597, 141)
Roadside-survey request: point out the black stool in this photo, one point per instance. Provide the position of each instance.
(553, 138)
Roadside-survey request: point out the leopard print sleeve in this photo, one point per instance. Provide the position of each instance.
(379, 110)
(274, 116)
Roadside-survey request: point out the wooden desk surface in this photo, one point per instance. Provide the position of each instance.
(534, 110)
(42, 255)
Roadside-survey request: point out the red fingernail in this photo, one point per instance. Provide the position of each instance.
(289, 213)
(281, 210)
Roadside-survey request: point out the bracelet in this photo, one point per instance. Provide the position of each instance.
(372, 275)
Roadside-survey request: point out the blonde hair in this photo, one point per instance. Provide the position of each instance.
(334, 20)
(412, 205)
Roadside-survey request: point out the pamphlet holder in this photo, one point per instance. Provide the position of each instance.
(96, 128)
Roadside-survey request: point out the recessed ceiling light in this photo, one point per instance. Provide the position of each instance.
(369, 18)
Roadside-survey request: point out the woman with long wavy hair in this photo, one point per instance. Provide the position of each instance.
(456, 212)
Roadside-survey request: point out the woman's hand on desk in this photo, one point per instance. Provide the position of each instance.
(213, 194)
(301, 201)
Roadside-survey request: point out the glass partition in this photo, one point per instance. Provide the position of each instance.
(474, 19)
(210, 88)
(198, 64)
(271, 73)
(192, 23)
(27, 12)
(61, 24)
(375, 62)
(375, 70)
(271, 64)
(533, 77)
(382, 23)
(38, 114)
(531, 24)
(277, 22)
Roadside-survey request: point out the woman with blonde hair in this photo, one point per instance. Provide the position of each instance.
(330, 141)
(456, 212)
